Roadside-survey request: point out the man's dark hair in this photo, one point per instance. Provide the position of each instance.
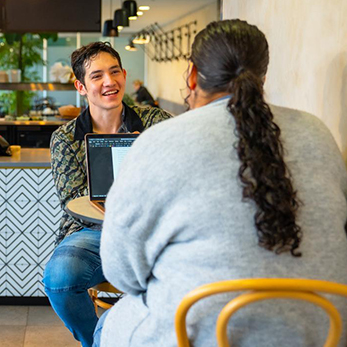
(83, 56)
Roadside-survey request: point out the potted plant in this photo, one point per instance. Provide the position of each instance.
(23, 52)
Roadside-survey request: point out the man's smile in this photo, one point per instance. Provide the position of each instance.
(110, 92)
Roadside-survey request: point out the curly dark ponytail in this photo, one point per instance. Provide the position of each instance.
(238, 57)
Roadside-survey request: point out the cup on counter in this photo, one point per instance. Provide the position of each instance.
(14, 75)
(15, 149)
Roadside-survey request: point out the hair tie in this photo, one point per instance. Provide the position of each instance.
(240, 70)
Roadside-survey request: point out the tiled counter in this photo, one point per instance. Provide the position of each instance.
(29, 218)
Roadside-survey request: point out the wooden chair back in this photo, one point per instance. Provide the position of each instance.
(262, 289)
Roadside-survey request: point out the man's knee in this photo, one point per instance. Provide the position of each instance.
(67, 269)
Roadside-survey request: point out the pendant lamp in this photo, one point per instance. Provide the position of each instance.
(130, 47)
(131, 7)
(142, 38)
(109, 29)
(120, 18)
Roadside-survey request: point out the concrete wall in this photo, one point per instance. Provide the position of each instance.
(308, 55)
(164, 80)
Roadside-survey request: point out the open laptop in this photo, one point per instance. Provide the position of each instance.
(104, 153)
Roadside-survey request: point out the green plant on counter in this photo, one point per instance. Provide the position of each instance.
(23, 52)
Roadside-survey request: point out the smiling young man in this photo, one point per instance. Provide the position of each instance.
(75, 264)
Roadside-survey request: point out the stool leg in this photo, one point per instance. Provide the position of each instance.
(94, 295)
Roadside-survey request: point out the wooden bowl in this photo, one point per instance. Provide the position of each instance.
(69, 111)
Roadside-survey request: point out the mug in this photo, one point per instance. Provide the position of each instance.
(14, 75)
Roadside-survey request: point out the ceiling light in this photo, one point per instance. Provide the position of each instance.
(109, 30)
(120, 18)
(119, 28)
(132, 18)
(141, 39)
(139, 13)
(144, 8)
(131, 47)
(131, 7)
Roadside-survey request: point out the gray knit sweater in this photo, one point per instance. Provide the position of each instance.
(175, 220)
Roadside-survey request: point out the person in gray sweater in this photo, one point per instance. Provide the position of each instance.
(232, 189)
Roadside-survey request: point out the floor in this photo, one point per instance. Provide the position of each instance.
(33, 326)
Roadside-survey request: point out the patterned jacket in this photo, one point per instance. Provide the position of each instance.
(68, 158)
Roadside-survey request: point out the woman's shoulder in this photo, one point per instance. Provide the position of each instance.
(295, 117)
(298, 124)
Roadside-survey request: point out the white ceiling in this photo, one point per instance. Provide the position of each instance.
(162, 11)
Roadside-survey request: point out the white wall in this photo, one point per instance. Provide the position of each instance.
(308, 55)
(133, 62)
(165, 79)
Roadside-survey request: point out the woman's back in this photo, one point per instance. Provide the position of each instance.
(201, 229)
(228, 190)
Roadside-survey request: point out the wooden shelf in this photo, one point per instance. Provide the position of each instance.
(37, 86)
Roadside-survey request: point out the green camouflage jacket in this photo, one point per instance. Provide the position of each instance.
(68, 158)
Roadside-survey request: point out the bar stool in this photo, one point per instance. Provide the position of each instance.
(103, 287)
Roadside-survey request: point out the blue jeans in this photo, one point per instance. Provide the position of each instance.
(98, 329)
(74, 267)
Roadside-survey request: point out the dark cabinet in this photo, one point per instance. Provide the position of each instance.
(28, 136)
(8, 133)
(3, 132)
(34, 136)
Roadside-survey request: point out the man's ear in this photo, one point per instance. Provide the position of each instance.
(192, 78)
(80, 87)
(125, 73)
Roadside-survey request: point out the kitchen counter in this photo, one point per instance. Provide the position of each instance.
(36, 86)
(50, 121)
(27, 158)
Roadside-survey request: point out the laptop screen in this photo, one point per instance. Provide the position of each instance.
(104, 156)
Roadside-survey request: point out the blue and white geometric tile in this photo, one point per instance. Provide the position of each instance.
(50, 214)
(22, 185)
(46, 188)
(22, 279)
(3, 280)
(22, 216)
(22, 249)
(3, 184)
(45, 247)
(27, 229)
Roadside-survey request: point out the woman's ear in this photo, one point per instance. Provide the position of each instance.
(192, 79)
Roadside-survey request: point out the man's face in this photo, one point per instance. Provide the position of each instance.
(104, 83)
